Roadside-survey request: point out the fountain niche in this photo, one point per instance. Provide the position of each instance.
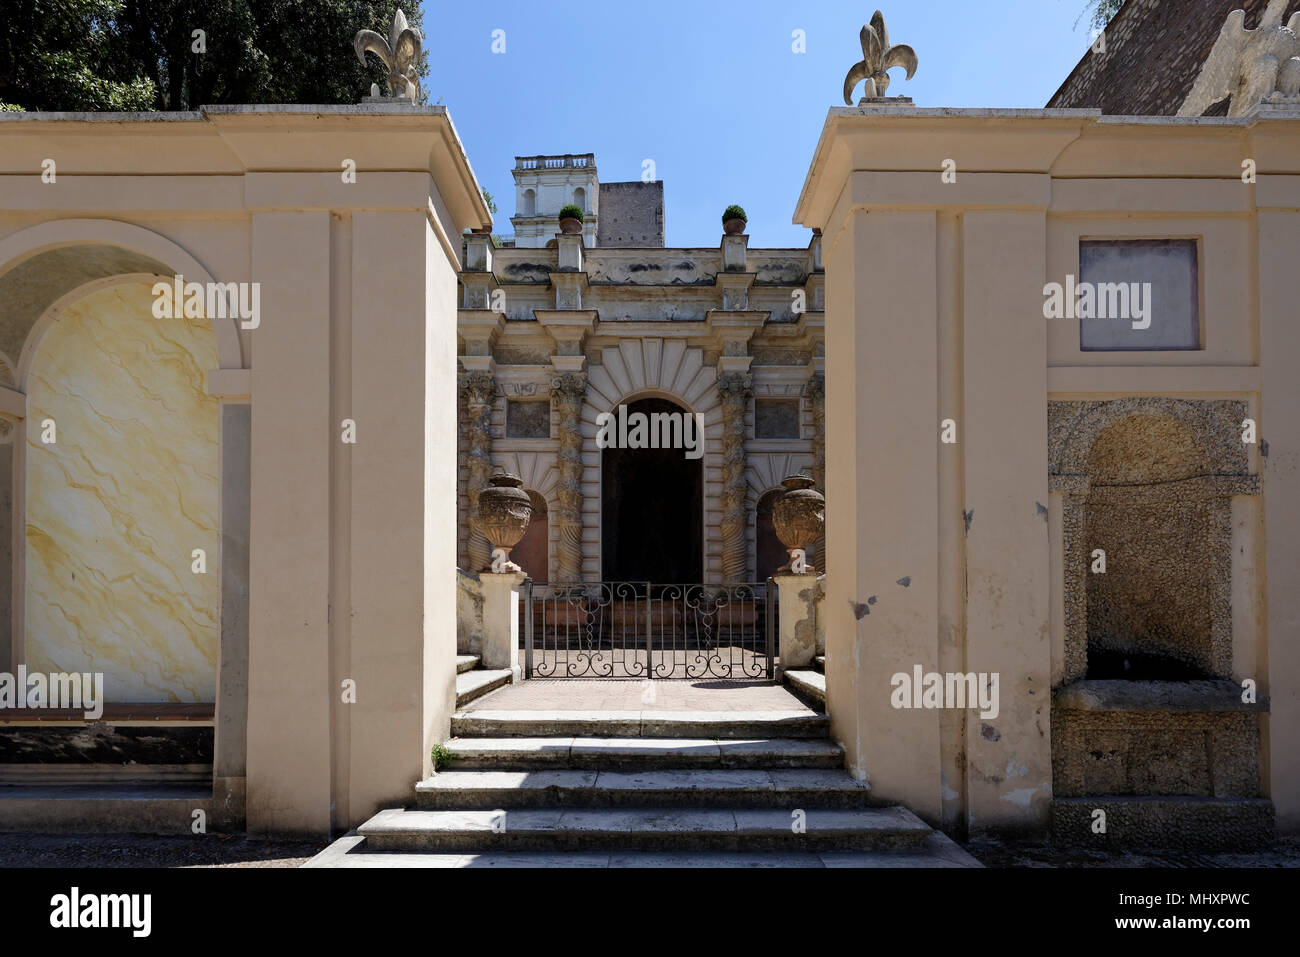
(1149, 720)
(1148, 510)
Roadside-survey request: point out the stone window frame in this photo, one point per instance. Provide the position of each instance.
(1073, 427)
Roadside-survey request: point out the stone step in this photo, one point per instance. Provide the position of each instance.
(730, 788)
(526, 754)
(819, 664)
(643, 829)
(466, 663)
(937, 850)
(808, 686)
(485, 723)
(477, 683)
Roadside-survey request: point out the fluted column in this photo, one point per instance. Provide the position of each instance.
(567, 394)
(817, 400)
(477, 390)
(734, 389)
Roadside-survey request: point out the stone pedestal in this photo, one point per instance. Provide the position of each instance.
(501, 621)
(797, 620)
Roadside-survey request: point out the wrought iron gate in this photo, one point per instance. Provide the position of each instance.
(645, 630)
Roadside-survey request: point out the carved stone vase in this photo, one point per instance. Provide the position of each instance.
(798, 518)
(504, 510)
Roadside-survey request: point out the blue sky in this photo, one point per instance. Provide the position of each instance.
(712, 92)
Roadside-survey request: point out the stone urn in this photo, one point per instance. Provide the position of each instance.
(734, 226)
(798, 517)
(570, 226)
(504, 509)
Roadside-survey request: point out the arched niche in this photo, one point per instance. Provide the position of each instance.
(769, 553)
(1147, 483)
(121, 478)
(46, 272)
(532, 554)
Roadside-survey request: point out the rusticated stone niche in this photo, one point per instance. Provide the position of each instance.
(1149, 481)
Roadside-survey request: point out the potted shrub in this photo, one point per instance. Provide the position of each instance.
(571, 219)
(734, 220)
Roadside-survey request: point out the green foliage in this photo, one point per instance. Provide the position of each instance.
(138, 55)
(571, 212)
(734, 212)
(441, 756)
(66, 55)
(1102, 11)
(489, 202)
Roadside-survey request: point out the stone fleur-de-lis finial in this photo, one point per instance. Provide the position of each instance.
(400, 53)
(1251, 66)
(878, 57)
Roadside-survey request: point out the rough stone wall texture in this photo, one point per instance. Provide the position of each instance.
(1157, 594)
(1155, 753)
(1122, 466)
(1154, 50)
(631, 214)
(1238, 825)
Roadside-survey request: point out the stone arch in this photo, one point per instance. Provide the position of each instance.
(1214, 425)
(763, 474)
(43, 264)
(653, 368)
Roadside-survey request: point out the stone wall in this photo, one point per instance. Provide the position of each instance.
(631, 214)
(1154, 51)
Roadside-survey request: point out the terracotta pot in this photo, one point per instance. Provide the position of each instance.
(504, 509)
(734, 226)
(570, 226)
(799, 515)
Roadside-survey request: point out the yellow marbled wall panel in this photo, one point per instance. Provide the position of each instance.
(117, 504)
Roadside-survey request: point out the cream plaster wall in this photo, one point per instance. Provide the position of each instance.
(351, 557)
(949, 276)
(119, 501)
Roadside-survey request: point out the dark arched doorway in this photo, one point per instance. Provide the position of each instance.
(652, 508)
(770, 554)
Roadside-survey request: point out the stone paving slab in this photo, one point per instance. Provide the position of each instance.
(693, 788)
(790, 723)
(528, 753)
(609, 694)
(642, 829)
